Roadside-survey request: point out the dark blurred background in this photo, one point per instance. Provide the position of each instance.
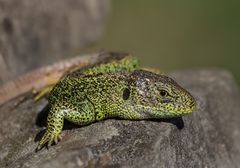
(175, 34)
(170, 35)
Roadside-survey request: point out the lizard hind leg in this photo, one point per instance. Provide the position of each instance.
(38, 94)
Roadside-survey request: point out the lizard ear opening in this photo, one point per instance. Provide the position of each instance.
(163, 93)
(126, 94)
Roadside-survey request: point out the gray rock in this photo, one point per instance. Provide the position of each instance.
(39, 32)
(210, 137)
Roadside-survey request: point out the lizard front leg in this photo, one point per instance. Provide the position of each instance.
(54, 126)
(79, 113)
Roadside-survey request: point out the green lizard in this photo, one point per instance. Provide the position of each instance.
(114, 88)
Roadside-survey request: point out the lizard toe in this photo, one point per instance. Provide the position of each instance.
(48, 139)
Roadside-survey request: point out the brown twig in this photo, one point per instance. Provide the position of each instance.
(39, 78)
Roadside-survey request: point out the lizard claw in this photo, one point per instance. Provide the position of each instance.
(48, 139)
(57, 139)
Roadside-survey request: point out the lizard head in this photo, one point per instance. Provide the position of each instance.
(159, 96)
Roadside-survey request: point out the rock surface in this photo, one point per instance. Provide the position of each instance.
(38, 32)
(210, 137)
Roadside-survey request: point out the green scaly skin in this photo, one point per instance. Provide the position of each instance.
(116, 88)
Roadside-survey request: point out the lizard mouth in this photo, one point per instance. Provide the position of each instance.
(153, 113)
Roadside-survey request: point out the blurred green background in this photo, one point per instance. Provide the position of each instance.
(175, 34)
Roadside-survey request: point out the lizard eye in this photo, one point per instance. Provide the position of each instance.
(126, 94)
(163, 93)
